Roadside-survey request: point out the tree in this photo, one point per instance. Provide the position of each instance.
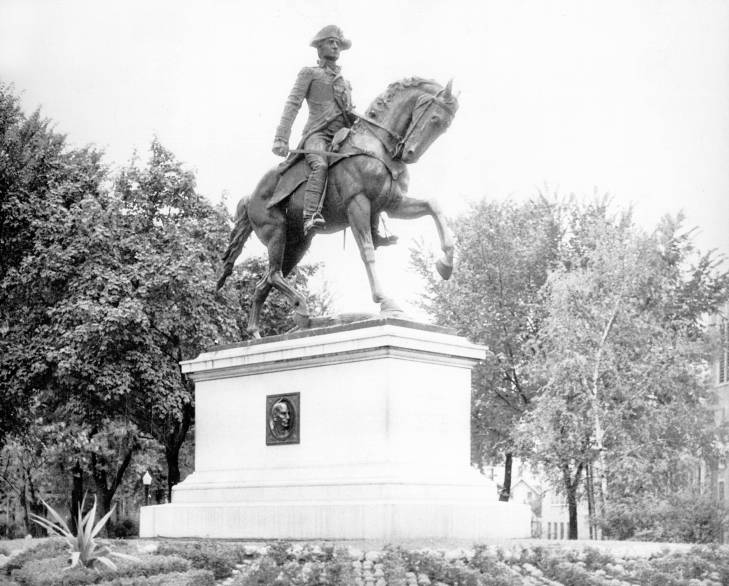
(173, 242)
(40, 181)
(103, 292)
(621, 356)
(504, 251)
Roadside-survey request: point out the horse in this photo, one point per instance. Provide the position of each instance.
(367, 176)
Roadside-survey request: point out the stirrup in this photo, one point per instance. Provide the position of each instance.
(379, 240)
(314, 223)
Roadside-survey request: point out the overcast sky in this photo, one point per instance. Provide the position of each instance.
(627, 97)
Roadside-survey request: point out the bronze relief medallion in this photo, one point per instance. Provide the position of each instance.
(282, 419)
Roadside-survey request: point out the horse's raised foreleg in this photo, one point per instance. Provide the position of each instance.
(410, 208)
(358, 214)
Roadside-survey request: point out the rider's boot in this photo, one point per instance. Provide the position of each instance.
(377, 238)
(313, 220)
(380, 240)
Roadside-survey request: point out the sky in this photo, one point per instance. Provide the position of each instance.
(624, 97)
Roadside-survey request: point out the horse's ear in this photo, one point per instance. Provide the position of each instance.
(447, 92)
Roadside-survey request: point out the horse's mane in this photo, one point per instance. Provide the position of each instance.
(382, 102)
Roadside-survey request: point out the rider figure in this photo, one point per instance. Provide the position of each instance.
(329, 98)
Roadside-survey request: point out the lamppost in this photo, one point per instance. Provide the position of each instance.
(146, 481)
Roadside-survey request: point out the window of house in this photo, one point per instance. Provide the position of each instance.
(561, 530)
(549, 530)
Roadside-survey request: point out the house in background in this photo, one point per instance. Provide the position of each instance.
(550, 515)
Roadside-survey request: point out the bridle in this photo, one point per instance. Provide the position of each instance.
(423, 106)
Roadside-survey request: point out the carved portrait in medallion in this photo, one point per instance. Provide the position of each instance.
(282, 419)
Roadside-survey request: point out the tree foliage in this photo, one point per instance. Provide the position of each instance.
(600, 353)
(106, 285)
(504, 252)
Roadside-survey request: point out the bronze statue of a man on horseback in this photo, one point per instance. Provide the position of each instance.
(347, 169)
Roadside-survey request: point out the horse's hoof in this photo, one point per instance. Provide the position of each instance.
(444, 270)
(301, 320)
(388, 307)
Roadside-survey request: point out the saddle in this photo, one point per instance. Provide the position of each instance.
(294, 171)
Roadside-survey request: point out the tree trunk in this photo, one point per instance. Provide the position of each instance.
(105, 492)
(506, 488)
(173, 444)
(33, 506)
(590, 490)
(572, 509)
(570, 486)
(77, 494)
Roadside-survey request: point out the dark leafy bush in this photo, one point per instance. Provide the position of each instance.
(12, 530)
(682, 518)
(124, 529)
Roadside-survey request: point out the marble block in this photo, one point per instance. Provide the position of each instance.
(381, 451)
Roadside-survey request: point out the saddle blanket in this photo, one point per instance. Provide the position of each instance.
(290, 180)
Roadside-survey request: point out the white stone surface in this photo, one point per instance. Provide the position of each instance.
(384, 442)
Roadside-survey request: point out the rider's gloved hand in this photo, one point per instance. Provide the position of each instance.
(280, 147)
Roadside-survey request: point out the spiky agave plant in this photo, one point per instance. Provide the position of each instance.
(84, 549)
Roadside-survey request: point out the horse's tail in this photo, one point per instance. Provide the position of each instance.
(241, 231)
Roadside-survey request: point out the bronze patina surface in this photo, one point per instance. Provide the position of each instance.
(394, 132)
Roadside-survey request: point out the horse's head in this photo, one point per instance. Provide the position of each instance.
(414, 112)
(431, 117)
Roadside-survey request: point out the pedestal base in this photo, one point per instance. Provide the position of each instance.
(376, 445)
(386, 521)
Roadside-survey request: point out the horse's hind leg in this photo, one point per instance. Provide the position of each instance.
(410, 208)
(275, 239)
(261, 291)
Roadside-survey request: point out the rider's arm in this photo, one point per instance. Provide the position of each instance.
(293, 104)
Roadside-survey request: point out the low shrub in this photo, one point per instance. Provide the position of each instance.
(438, 569)
(189, 578)
(283, 567)
(38, 551)
(699, 563)
(55, 571)
(495, 571)
(204, 556)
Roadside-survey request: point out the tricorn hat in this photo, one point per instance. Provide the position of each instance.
(331, 31)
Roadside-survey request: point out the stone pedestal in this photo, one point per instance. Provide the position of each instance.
(378, 441)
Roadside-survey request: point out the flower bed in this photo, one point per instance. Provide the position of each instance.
(207, 563)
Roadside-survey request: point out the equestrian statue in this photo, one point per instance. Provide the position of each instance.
(347, 169)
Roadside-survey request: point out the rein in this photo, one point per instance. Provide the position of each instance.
(393, 134)
(396, 151)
